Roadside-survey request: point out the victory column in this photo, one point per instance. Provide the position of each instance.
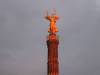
(52, 45)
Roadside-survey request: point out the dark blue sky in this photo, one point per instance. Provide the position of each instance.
(23, 32)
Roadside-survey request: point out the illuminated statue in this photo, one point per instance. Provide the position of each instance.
(53, 18)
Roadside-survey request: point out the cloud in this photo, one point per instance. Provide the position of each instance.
(23, 32)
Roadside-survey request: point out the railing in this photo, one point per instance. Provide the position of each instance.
(52, 36)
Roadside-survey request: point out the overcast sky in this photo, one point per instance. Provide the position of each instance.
(23, 32)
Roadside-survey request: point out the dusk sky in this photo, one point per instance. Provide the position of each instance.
(23, 32)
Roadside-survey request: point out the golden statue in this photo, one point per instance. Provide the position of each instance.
(53, 18)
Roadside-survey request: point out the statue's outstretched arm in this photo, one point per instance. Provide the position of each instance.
(48, 17)
(56, 17)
